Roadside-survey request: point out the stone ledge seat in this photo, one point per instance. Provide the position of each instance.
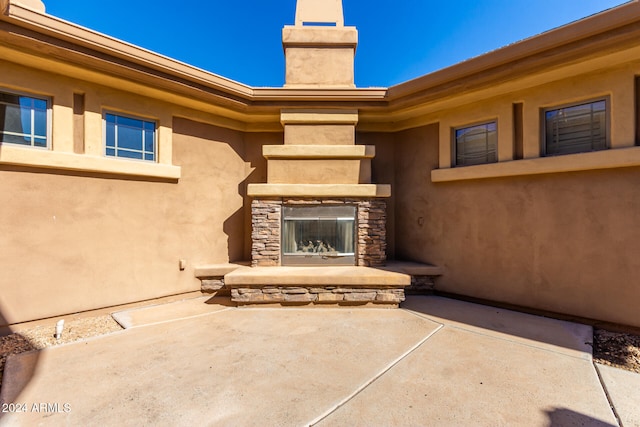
(342, 285)
(316, 276)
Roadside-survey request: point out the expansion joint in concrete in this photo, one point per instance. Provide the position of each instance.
(375, 377)
(607, 394)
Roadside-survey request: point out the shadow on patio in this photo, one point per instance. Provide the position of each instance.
(574, 337)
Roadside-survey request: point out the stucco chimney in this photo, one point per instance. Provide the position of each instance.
(319, 49)
(319, 12)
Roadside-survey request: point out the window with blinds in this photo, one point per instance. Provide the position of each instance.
(576, 128)
(475, 145)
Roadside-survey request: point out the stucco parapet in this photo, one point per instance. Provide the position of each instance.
(606, 159)
(320, 36)
(20, 156)
(319, 151)
(318, 116)
(319, 190)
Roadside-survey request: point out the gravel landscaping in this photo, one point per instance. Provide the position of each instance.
(617, 349)
(43, 336)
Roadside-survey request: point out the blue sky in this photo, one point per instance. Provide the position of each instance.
(398, 40)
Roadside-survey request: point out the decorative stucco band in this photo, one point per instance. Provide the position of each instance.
(266, 222)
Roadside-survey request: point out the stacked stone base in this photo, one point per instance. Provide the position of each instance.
(421, 285)
(275, 286)
(215, 286)
(211, 285)
(317, 295)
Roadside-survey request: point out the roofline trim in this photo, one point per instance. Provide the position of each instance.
(598, 23)
(63, 29)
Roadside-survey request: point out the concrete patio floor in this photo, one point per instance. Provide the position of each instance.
(435, 361)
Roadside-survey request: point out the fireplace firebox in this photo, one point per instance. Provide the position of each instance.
(318, 235)
(313, 231)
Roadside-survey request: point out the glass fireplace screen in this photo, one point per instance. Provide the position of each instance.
(313, 235)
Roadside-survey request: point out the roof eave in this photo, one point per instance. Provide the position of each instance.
(64, 30)
(530, 48)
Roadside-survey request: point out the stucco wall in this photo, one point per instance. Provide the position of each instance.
(563, 242)
(74, 241)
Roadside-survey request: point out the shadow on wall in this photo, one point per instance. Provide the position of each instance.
(561, 417)
(239, 247)
(228, 160)
(230, 227)
(257, 173)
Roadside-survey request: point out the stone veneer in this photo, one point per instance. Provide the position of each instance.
(317, 295)
(420, 285)
(266, 222)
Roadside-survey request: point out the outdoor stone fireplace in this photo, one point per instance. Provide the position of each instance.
(307, 232)
(319, 206)
(318, 221)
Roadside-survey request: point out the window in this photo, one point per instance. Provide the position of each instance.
(130, 137)
(576, 128)
(23, 120)
(475, 145)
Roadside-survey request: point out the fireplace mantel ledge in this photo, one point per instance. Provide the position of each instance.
(319, 151)
(319, 190)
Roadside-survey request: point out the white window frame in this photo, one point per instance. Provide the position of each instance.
(143, 152)
(49, 127)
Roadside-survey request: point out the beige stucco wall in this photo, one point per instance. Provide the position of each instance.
(562, 242)
(319, 67)
(319, 134)
(319, 171)
(383, 172)
(74, 241)
(319, 56)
